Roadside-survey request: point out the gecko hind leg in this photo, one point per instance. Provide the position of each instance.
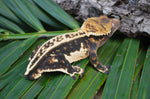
(78, 70)
(72, 70)
(54, 63)
(63, 65)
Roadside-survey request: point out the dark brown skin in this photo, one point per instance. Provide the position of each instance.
(60, 57)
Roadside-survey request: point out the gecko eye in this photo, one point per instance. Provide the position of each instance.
(114, 16)
(115, 24)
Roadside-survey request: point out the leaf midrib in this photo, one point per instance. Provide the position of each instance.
(125, 59)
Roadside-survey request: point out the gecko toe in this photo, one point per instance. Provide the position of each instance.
(79, 65)
(74, 77)
(106, 72)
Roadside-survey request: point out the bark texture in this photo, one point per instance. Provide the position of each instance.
(134, 14)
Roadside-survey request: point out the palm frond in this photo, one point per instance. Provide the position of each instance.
(143, 91)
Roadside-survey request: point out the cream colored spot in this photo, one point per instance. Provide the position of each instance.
(77, 55)
(58, 50)
(62, 61)
(65, 48)
(53, 60)
(35, 76)
(38, 54)
(38, 70)
(43, 48)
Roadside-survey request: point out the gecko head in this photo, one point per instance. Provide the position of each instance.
(102, 25)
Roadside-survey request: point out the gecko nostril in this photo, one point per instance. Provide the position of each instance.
(116, 16)
(113, 24)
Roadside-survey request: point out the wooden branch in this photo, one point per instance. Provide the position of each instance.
(134, 14)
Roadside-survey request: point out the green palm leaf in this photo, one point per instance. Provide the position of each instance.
(10, 25)
(143, 91)
(14, 53)
(51, 8)
(24, 24)
(20, 9)
(6, 12)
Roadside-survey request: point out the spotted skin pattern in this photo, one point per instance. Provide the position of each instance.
(58, 53)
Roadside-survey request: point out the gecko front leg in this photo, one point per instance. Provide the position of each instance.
(95, 62)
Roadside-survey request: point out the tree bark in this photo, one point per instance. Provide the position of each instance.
(134, 14)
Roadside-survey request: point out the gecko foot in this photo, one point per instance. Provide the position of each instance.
(74, 77)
